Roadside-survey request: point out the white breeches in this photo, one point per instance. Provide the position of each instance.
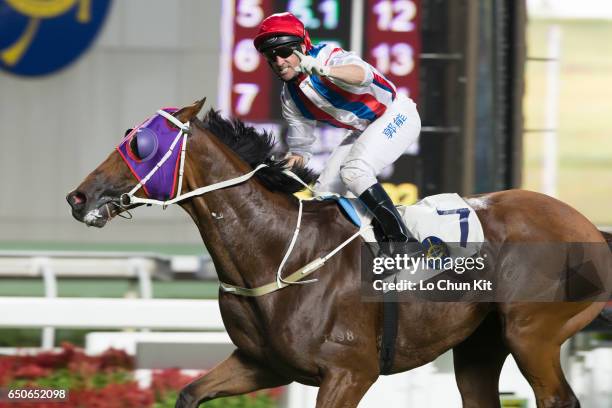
(355, 163)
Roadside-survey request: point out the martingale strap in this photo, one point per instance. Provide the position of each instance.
(295, 277)
(274, 286)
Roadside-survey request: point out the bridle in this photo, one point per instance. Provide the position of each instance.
(129, 198)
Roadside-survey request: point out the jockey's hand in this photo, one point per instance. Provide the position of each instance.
(294, 160)
(310, 65)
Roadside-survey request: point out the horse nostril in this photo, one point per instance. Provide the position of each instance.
(76, 199)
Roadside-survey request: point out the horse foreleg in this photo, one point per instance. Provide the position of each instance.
(343, 389)
(236, 375)
(478, 362)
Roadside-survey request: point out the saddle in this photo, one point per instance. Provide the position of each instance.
(442, 220)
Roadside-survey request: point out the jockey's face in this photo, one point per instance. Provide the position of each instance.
(284, 68)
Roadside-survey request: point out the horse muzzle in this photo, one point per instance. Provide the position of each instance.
(98, 217)
(93, 216)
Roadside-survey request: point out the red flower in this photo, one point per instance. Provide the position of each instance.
(85, 369)
(169, 380)
(117, 359)
(50, 359)
(7, 370)
(31, 372)
(126, 395)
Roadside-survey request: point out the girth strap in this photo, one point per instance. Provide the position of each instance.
(389, 331)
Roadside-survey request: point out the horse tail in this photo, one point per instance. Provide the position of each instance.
(606, 314)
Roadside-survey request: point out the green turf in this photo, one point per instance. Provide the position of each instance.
(165, 249)
(187, 289)
(585, 115)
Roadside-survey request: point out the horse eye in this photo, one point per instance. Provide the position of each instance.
(143, 144)
(134, 147)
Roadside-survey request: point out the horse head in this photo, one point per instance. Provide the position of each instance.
(98, 198)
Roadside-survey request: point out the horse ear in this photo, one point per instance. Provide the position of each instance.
(189, 112)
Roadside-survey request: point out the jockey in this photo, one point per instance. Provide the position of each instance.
(328, 84)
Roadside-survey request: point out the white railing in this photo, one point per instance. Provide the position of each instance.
(159, 314)
(103, 264)
(51, 265)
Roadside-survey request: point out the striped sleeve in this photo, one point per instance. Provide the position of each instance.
(338, 56)
(300, 137)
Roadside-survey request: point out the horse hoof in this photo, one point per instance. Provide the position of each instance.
(185, 400)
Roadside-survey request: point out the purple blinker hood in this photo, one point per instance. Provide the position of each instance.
(156, 135)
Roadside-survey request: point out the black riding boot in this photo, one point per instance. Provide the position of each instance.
(388, 222)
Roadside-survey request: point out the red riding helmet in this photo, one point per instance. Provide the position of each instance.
(279, 29)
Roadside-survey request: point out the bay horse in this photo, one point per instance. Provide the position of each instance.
(322, 334)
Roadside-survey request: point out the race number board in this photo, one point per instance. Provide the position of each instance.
(245, 81)
(392, 41)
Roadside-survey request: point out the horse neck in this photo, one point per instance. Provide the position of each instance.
(242, 226)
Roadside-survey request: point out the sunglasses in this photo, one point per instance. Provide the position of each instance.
(283, 51)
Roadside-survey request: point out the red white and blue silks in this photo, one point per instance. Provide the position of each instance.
(352, 107)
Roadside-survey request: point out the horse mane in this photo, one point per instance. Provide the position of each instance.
(255, 148)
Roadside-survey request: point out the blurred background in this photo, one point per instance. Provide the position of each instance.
(512, 94)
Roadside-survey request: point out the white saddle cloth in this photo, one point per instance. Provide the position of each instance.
(447, 217)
